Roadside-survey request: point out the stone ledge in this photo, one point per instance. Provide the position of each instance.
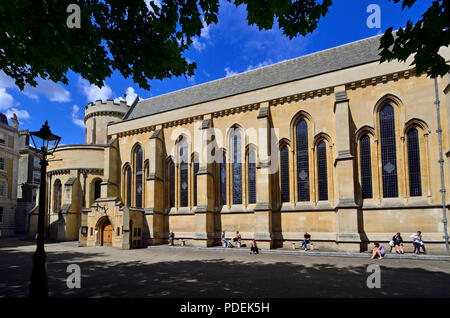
(310, 253)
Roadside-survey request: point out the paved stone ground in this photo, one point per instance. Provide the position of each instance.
(189, 272)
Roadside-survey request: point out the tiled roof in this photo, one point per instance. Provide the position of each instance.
(348, 55)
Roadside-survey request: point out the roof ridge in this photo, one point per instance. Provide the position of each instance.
(264, 67)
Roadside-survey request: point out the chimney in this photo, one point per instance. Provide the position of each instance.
(14, 121)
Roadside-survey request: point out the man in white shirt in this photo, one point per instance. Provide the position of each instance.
(418, 242)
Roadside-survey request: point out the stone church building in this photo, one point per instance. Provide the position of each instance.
(333, 143)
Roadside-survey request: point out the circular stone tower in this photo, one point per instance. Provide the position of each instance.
(98, 115)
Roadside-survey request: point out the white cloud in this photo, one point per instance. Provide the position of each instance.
(267, 62)
(93, 92)
(75, 119)
(199, 46)
(156, 2)
(47, 88)
(259, 65)
(130, 96)
(21, 113)
(6, 100)
(252, 44)
(229, 72)
(204, 34)
(191, 80)
(51, 90)
(6, 81)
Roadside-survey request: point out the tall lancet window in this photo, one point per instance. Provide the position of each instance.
(223, 180)
(251, 177)
(172, 184)
(322, 177)
(184, 174)
(284, 174)
(301, 132)
(129, 186)
(196, 167)
(139, 173)
(415, 184)
(365, 166)
(57, 192)
(237, 168)
(388, 152)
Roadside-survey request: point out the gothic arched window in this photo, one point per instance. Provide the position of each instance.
(172, 184)
(128, 187)
(184, 174)
(251, 177)
(223, 180)
(415, 184)
(301, 133)
(284, 174)
(365, 166)
(236, 171)
(388, 152)
(57, 193)
(196, 167)
(322, 177)
(139, 172)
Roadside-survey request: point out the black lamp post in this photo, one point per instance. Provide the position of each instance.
(39, 284)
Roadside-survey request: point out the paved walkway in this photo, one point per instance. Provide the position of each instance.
(165, 271)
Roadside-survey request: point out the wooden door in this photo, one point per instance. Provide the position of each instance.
(107, 234)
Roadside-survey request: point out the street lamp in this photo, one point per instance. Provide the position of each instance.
(39, 284)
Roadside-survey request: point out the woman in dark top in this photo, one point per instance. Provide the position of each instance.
(398, 243)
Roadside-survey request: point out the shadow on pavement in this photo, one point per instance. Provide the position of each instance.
(214, 278)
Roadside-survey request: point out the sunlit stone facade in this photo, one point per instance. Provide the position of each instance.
(333, 143)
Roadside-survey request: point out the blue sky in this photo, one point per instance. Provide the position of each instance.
(223, 49)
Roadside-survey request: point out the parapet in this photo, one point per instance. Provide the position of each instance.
(107, 108)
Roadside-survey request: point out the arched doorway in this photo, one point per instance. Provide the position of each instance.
(107, 234)
(105, 229)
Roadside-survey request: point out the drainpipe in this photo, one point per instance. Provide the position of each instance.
(441, 163)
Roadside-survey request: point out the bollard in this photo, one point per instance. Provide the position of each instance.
(182, 242)
(239, 244)
(293, 246)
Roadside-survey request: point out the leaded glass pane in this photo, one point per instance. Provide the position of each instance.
(196, 167)
(129, 185)
(365, 166)
(184, 176)
(284, 173)
(223, 180)
(139, 160)
(415, 183)
(302, 161)
(388, 152)
(322, 177)
(251, 177)
(237, 169)
(172, 184)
